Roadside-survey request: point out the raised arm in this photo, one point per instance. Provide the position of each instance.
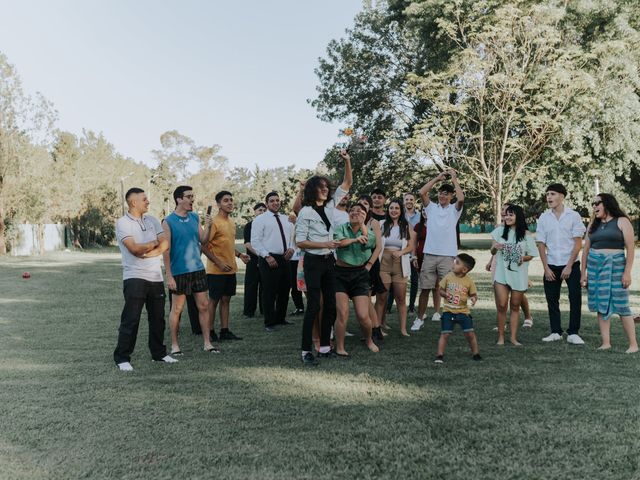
(203, 233)
(348, 173)
(424, 191)
(458, 188)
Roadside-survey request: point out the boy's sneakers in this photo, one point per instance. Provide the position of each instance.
(439, 359)
(476, 357)
(435, 317)
(125, 367)
(417, 325)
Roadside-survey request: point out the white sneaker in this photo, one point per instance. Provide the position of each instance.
(417, 325)
(554, 337)
(167, 359)
(435, 317)
(125, 367)
(575, 339)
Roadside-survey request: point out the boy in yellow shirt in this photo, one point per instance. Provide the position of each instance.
(456, 288)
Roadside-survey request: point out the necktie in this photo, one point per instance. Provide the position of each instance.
(284, 242)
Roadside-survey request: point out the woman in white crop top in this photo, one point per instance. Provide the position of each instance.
(398, 241)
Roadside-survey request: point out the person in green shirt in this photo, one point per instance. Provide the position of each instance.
(356, 243)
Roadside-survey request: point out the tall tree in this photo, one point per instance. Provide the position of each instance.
(24, 121)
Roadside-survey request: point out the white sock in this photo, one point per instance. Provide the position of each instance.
(325, 349)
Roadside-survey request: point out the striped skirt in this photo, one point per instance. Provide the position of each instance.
(606, 295)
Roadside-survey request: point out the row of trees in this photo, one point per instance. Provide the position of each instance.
(511, 93)
(48, 175)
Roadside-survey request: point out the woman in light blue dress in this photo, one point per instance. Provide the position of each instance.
(514, 248)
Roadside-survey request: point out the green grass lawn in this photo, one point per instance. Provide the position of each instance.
(535, 412)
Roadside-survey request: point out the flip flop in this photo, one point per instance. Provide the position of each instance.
(177, 352)
(343, 355)
(212, 350)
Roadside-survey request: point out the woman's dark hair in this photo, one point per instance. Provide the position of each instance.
(310, 194)
(611, 206)
(520, 225)
(402, 221)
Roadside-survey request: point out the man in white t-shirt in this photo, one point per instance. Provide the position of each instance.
(441, 244)
(142, 242)
(559, 233)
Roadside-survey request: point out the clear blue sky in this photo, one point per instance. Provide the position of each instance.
(234, 73)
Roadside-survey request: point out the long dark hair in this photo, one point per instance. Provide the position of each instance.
(402, 221)
(521, 223)
(310, 194)
(611, 206)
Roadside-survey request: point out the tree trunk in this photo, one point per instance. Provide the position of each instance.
(3, 244)
(497, 205)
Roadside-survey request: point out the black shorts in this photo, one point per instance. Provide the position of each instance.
(190, 283)
(221, 285)
(354, 281)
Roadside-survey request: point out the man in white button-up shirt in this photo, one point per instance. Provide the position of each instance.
(271, 240)
(559, 237)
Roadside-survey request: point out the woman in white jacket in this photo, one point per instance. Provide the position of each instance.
(398, 241)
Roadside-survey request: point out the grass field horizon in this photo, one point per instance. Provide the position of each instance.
(535, 412)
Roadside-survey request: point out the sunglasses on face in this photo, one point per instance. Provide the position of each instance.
(596, 203)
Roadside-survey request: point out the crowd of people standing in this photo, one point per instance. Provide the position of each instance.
(368, 252)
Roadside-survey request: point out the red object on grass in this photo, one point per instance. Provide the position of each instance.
(26, 275)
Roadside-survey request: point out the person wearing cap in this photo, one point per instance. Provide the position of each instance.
(441, 243)
(559, 235)
(252, 284)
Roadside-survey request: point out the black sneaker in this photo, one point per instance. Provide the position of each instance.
(477, 357)
(297, 311)
(286, 322)
(329, 354)
(309, 360)
(213, 336)
(439, 359)
(228, 335)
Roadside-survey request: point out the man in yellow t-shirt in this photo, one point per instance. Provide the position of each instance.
(456, 288)
(221, 255)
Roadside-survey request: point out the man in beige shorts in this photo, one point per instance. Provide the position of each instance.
(441, 244)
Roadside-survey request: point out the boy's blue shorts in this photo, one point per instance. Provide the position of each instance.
(448, 319)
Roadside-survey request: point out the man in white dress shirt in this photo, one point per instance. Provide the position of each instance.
(559, 235)
(271, 240)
